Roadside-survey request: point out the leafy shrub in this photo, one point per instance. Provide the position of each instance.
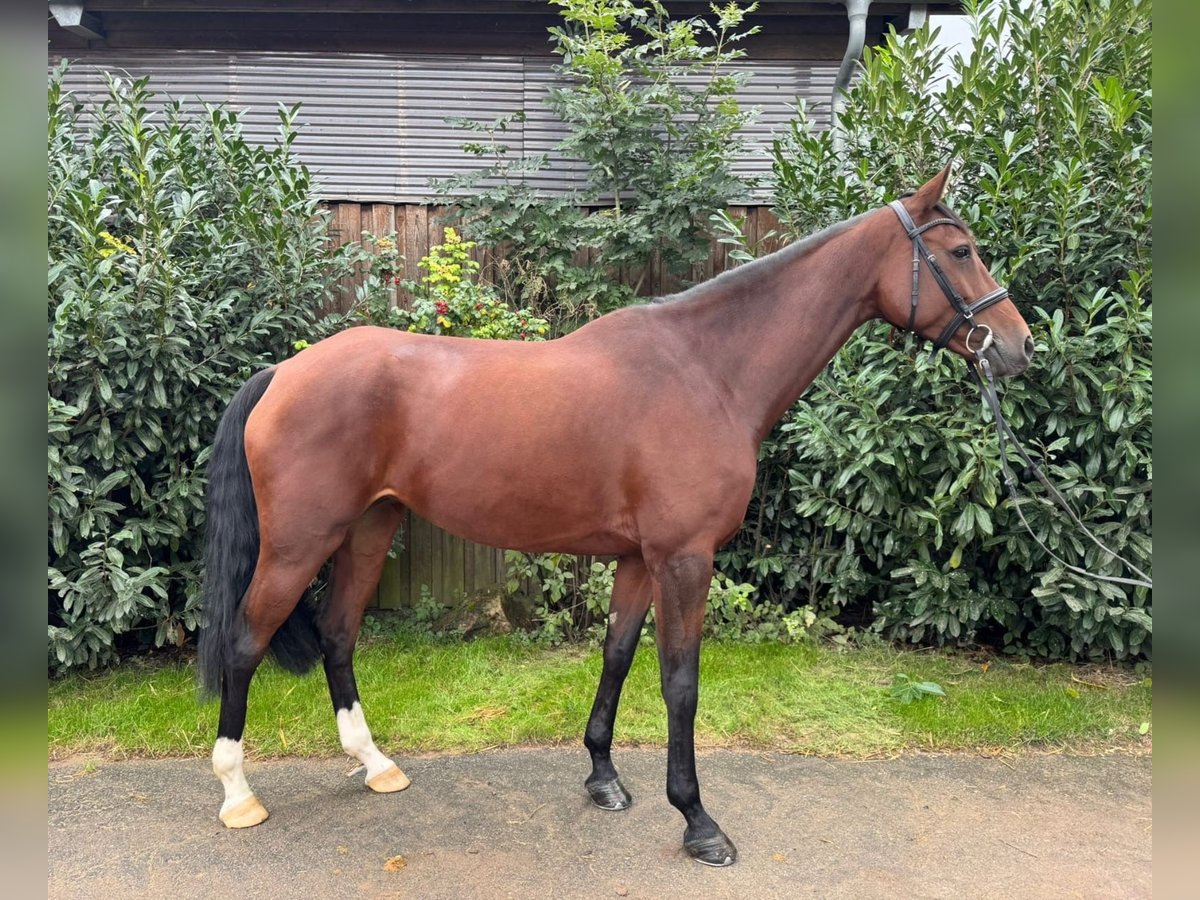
(571, 595)
(878, 497)
(181, 259)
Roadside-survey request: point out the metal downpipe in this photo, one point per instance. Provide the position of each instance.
(856, 12)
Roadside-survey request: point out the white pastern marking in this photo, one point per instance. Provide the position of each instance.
(227, 757)
(356, 740)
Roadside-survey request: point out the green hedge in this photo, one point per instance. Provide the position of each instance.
(181, 259)
(878, 500)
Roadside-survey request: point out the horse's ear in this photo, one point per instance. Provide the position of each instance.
(932, 191)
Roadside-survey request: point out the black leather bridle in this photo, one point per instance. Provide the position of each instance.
(964, 313)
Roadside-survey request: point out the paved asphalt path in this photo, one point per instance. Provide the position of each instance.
(517, 823)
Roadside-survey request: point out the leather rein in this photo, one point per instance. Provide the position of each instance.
(964, 314)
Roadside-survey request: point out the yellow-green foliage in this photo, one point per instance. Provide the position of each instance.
(448, 299)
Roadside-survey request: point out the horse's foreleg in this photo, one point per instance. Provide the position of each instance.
(682, 583)
(356, 569)
(631, 595)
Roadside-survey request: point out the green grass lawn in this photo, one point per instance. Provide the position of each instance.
(432, 695)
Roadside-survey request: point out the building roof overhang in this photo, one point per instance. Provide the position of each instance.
(789, 27)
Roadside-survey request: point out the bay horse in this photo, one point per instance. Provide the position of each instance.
(641, 429)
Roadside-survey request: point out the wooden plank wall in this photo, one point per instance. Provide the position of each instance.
(418, 227)
(448, 566)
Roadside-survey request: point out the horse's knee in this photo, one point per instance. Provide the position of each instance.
(680, 685)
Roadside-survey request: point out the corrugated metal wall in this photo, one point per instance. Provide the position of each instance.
(374, 126)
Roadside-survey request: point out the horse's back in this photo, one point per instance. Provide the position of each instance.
(546, 445)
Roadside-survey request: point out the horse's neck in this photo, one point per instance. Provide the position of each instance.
(769, 330)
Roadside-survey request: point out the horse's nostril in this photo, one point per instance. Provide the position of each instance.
(1029, 347)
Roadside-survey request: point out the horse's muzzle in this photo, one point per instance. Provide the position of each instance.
(1008, 358)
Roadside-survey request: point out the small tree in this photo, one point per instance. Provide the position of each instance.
(651, 110)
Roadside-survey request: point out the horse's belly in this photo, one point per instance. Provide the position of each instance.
(532, 538)
(489, 503)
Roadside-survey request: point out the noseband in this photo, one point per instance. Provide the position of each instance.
(964, 313)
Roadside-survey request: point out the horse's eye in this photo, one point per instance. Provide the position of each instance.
(961, 252)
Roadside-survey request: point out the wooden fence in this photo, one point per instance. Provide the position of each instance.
(417, 228)
(449, 567)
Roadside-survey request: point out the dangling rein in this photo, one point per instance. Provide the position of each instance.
(987, 385)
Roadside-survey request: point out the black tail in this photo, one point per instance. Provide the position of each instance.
(231, 552)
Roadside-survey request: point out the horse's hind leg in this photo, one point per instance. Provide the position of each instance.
(631, 595)
(273, 594)
(357, 565)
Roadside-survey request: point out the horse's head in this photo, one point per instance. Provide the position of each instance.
(935, 284)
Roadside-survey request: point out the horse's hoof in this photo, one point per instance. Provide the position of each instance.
(246, 814)
(389, 781)
(717, 850)
(610, 795)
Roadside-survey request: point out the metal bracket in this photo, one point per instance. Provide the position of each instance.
(70, 16)
(918, 15)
